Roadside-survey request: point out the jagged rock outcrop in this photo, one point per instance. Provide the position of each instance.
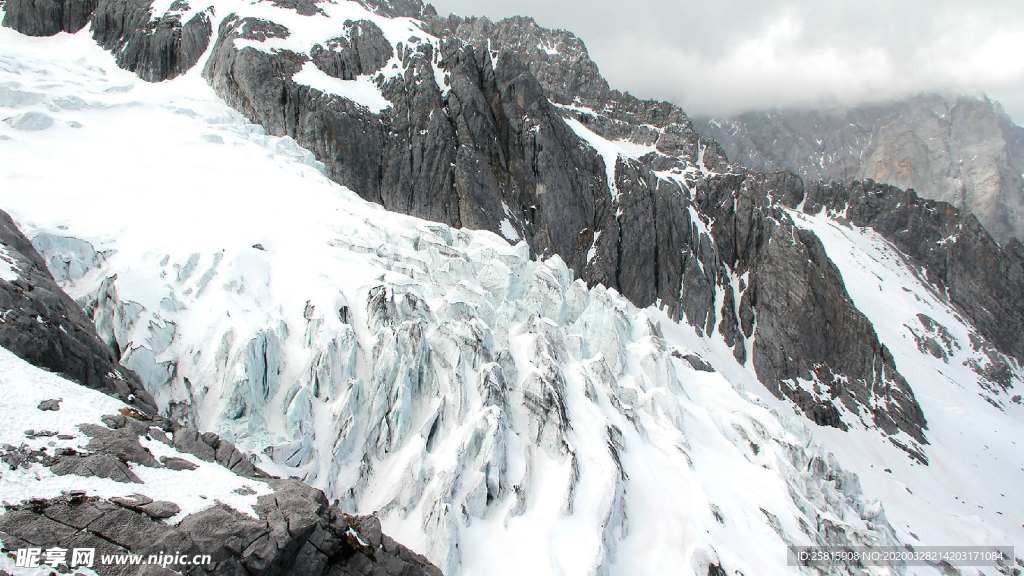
(807, 340)
(486, 137)
(955, 253)
(965, 151)
(154, 46)
(47, 17)
(43, 325)
(558, 59)
(363, 49)
(295, 530)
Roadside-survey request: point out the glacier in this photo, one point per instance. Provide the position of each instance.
(497, 414)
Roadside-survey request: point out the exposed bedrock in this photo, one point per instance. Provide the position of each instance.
(154, 46)
(294, 530)
(807, 340)
(47, 17)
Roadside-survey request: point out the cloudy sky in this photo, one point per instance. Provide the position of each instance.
(724, 56)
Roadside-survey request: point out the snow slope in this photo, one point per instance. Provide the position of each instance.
(976, 465)
(498, 415)
(26, 387)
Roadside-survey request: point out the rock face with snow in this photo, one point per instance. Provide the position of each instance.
(954, 252)
(154, 49)
(41, 324)
(808, 329)
(47, 17)
(965, 151)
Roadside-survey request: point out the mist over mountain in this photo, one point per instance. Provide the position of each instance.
(726, 58)
(962, 150)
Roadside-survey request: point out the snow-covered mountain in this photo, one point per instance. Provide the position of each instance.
(963, 150)
(765, 364)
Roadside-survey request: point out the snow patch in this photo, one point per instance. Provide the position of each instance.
(363, 90)
(508, 231)
(8, 268)
(608, 150)
(26, 386)
(592, 252)
(547, 49)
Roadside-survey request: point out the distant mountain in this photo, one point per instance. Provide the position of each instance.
(964, 150)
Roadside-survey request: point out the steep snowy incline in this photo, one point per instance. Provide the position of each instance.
(499, 416)
(976, 419)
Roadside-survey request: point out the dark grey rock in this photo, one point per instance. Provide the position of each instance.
(188, 440)
(52, 405)
(47, 17)
(23, 457)
(303, 7)
(568, 73)
(175, 463)
(161, 509)
(695, 361)
(362, 50)
(121, 444)
(98, 465)
(155, 49)
(807, 326)
(155, 510)
(114, 421)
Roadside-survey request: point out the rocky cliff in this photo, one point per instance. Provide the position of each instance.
(965, 151)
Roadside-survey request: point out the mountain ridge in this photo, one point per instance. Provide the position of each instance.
(472, 391)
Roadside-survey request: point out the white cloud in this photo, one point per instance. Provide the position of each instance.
(723, 57)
